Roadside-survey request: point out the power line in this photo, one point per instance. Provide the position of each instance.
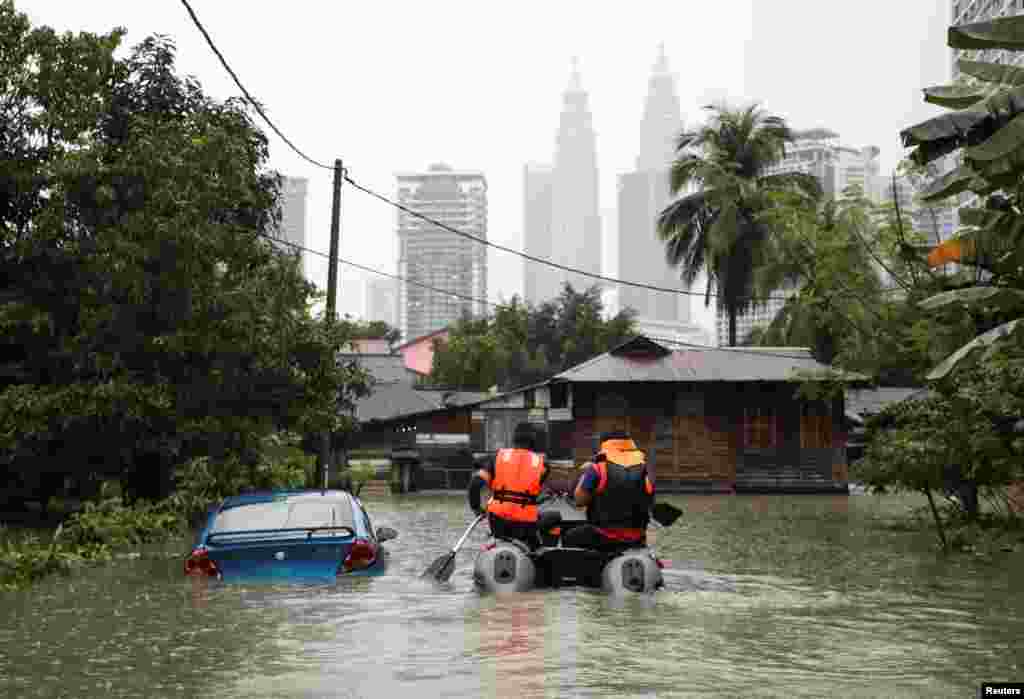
(738, 350)
(401, 207)
(377, 271)
(249, 97)
(256, 106)
(484, 241)
(540, 260)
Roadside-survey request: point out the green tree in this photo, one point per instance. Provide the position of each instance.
(375, 330)
(840, 253)
(966, 438)
(146, 317)
(719, 227)
(523, 344)
(986, 126)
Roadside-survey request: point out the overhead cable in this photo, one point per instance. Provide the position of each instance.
(249, 97)
(738, 350)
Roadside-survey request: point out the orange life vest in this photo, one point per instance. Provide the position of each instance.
(516, 485)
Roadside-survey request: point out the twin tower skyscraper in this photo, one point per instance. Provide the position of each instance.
(562, 215)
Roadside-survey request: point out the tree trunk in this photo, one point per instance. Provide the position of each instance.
(732, 326)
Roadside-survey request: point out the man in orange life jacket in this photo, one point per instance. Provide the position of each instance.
(618, 492)
(514, 477)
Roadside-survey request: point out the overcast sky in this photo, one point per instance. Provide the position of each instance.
(395, 86)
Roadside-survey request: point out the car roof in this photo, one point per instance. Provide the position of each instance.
(292, 496)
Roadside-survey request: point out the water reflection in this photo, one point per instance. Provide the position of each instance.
(767, 596)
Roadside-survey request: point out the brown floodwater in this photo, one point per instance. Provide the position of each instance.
(787, 596)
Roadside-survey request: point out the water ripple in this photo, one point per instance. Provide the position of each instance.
(811, 598)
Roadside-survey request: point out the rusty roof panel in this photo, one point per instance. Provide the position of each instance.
(696, 364)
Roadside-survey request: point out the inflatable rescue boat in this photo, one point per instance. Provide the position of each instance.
(510, 566)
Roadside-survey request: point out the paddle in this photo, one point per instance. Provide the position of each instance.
(665, 514)
(443, 567)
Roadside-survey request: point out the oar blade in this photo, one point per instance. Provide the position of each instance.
(665, 514)
(442, 567)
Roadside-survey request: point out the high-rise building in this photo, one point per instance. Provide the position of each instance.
(294, 191)
(815, 152)
(352, 300)
(969, 12)
(818, 152)
(436, 257)
(761, 316)
(575, 229)
(536, 229)
(642, 195)
(381, 299)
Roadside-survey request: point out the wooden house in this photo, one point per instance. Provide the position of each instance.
(710, 419)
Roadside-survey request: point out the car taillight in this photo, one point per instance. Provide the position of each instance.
(361, 555)
(200, 563)
(663, 562)
(488, 547)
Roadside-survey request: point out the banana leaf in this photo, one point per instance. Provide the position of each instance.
(1009, 165)
(1001, 33)
(953, 182)
(944, 126)
(998, 73)
(1001, 296)
(1002, 143)
(956, 126)
(958, 96)
(978, 343)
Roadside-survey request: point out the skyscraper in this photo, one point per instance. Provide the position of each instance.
(815, 152)
(575, 228)
(352, 299)
(969, 12)
(293, 209)
(643, 194)
(536, 229)
(436, 257)
(381, 299)
(818, 152)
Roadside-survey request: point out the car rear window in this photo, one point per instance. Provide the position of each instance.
(284, 514)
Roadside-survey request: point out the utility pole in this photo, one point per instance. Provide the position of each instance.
(332, 292)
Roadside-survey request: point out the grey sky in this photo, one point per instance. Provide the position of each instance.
(395, 86)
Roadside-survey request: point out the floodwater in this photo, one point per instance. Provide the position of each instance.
(774, 596)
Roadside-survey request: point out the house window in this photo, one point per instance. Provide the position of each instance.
(759, 427)
(816, 425)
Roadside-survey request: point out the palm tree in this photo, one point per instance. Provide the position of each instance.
(719, 228)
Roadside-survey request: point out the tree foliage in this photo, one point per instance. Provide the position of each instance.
(146, 318)
(719, 228)
(985, 127)
(375, 330)
(523, 344)
(860, 275)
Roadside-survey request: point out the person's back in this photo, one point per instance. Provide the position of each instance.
(514, 477)
(618, 494)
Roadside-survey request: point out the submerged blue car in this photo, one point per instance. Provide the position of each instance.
(295, 535)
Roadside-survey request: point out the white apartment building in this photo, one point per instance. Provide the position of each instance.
(816, 152)
(436, 257)
(969, 12)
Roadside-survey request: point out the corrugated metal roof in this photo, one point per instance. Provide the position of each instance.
(863, 402)
(395, 400)
(637, 360)
(385, 368)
